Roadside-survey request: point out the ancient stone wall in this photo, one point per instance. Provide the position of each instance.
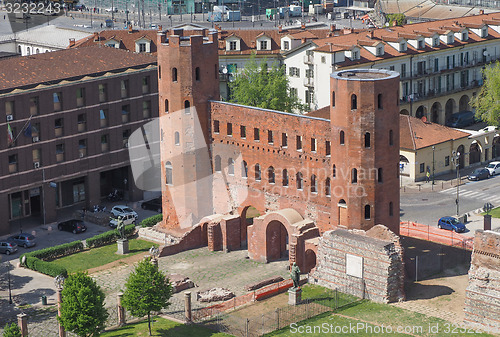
(482, 297)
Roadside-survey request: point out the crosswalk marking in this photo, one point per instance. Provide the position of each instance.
(468, 194)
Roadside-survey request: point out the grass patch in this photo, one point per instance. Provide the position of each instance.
(495, 213)
(327, 297)
(163, 327)
(97, 257)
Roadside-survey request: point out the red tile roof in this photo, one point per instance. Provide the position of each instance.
(125, 37)
(29, 71)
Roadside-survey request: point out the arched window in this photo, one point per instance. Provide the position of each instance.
(391, 210)
(391, 137)
(218, 164)
(244, 169)
(28, 51)
(177, 138)
(379, 101)
(19, 49)
(37, 51)
(271, 175)
(333, 98)
(285, 177)
(354, 102)
(166, 105)
(168, 173)
(367, 139)
(174, 74)
(367, 212)
(379, 175)
(187, 104)
(354, 176)
(342, 140)
(230, 166)
(334, 171)
(328, 187)
(314, 184)
(299, 180)
(257, 172)
(197, 73)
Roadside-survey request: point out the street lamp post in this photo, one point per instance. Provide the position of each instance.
(433, 163)
(456, 157)
(8, 277)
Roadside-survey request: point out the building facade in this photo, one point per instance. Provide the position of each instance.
(65, 129)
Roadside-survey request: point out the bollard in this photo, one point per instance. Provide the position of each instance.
(487, 222)
(22, 322)
(121, 309)
(44, 300)
(187, 307)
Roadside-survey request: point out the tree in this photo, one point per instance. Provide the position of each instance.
(258, 86)
(487, 103)
(11, 330)
(398, 18)
(147, 289)
(82, 308)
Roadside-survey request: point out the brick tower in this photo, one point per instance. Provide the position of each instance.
(364, 118)
(188, 69)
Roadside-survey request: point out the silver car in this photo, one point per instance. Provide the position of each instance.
(24, 240)
(8, 247)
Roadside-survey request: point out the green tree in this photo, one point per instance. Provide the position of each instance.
(258, 86)
(82, 308)
(399, 18)
(11, 330)
(147, 289)
(487, 103)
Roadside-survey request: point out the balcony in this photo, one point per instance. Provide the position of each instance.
(308, 59)
(309, 82)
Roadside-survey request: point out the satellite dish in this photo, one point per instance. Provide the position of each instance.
(485, 53)
(224, 70)
(424, 119)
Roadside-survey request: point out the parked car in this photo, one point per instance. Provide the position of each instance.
(493, 167)
(153, 204)
(127, 220)
(24, 239)
(122, 210)
(8, 247)
(451, 223)
(479, 174)
(73, 225)
(111, 9)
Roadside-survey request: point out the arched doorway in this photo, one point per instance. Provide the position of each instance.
(276, 241)
(310, 263)
(461, 158)
(421, 111)
(495, 150)
(246, 219)
(463, 104)
(404, 112)
(342, 207)
(474, 153)
(404, 162)
(436, 112)
(449, 109)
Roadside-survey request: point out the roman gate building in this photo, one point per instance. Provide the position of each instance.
(272, 181)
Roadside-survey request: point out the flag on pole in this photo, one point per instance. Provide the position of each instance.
(10, 136)
(27, 130)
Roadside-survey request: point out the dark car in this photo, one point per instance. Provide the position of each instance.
(8, 247)
(153, 204)
(479, 174)
(24, 240)
(451, 223)
(73, 225)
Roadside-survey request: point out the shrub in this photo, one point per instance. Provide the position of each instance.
(11, 330)
(152, 220)
(52, 253)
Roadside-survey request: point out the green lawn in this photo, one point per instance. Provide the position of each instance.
(495, 212)
(96, 257)
(327, 297)
(163, 327)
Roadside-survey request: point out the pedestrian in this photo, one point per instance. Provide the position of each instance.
(427, 176)
(101, 24)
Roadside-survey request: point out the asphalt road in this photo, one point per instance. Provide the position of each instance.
(428, 207)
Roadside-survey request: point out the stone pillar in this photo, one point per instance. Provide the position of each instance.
(22, 322)
(122, 246)
(487, 222)
(121, 309)
(62, 332)
(187, 306)
(294, 296)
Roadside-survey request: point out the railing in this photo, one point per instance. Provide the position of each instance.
(430, 233)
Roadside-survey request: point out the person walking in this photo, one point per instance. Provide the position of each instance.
(427, 176)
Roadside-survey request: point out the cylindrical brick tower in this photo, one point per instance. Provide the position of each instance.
(188, 71)
(364, 118)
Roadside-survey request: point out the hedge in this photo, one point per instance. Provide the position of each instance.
(108, 237)
(152, 220)
(55, 252)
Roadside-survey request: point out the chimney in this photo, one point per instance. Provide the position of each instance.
(371, 34)
(96, 36)
(130, 29)
(160, 28)
(332, 28)
(71, 42)
(303, 25)
(304, 40)
(481, 11)
(280, 29)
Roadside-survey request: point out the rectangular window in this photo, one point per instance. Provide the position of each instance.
(125, 137)
(82, 148)
(59, 153)
(13, 163)
(103, 93)
(284, 140)
(124, 88)
(103, 116)
(269, 136)
(104, 143)
(313, 145)
(145, 85)
(125, 113)
(35, 132)
(256, 134)
(34, 105)
(286, 45)
(142, 47)
(57, 98)
(436, 65)
(59, 127)
(263, 45)
(294, 72)
(328, 148)
(146, 109)
(447, 161)
(216, 127)
(299, 143)
(82, 122)
(37, 157)
(309, 96)
(229, 129)
(293, 92)
(323, 59)
(9, 108)
(403, 70)
(80, 97)
(243, 131)
(391, 68)
(310, 73)
(232, 45)
(422, 168)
